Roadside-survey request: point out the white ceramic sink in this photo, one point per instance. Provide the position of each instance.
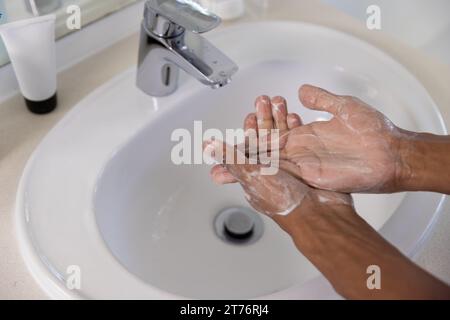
(101, 192)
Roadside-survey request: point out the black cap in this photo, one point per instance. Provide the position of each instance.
(44, 106)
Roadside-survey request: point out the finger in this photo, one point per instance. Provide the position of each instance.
(251, 130)
(220, 175)
(265, 145)
(250, 122)
(293, 121)
(264, 114)
(319, 99)
(279, 113)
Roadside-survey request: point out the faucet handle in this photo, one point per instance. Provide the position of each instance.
(170, 18)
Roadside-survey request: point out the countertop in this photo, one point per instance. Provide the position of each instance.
(21, 131)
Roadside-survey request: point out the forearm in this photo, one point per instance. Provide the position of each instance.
(342, 246)
(425, 162)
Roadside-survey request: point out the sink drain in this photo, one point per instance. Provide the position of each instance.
(238, 225)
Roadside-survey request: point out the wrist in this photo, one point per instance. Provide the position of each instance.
(408, 171)
(424, 162)
(318, 208)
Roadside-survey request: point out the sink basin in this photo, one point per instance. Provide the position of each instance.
(102, 194)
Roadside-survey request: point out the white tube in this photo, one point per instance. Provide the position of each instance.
(31, 47)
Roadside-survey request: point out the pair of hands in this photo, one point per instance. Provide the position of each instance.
(358, 150)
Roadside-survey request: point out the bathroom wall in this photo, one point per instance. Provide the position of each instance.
(422, 24)
(91, 10)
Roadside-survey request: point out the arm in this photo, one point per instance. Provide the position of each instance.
(327, 230)
(342, 245)
(324, 224)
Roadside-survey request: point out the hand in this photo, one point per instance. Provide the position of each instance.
(359, 150)
(270, 114)
(277, 194)
(273, 195)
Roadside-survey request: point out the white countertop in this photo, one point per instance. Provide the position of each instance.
(21, 131)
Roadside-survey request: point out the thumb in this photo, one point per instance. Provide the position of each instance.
(316, 98)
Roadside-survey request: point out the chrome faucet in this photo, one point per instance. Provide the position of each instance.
(170, 41)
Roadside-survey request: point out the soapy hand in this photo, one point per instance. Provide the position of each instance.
(356, 151)
(273, 195)
(276, 194)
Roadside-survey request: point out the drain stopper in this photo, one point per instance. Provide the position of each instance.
(239, 225)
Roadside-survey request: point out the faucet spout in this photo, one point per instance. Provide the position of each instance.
(200, 59)
(165, 50)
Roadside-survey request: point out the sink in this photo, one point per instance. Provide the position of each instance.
(101, 193)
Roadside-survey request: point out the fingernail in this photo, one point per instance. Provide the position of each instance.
(262, 101)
